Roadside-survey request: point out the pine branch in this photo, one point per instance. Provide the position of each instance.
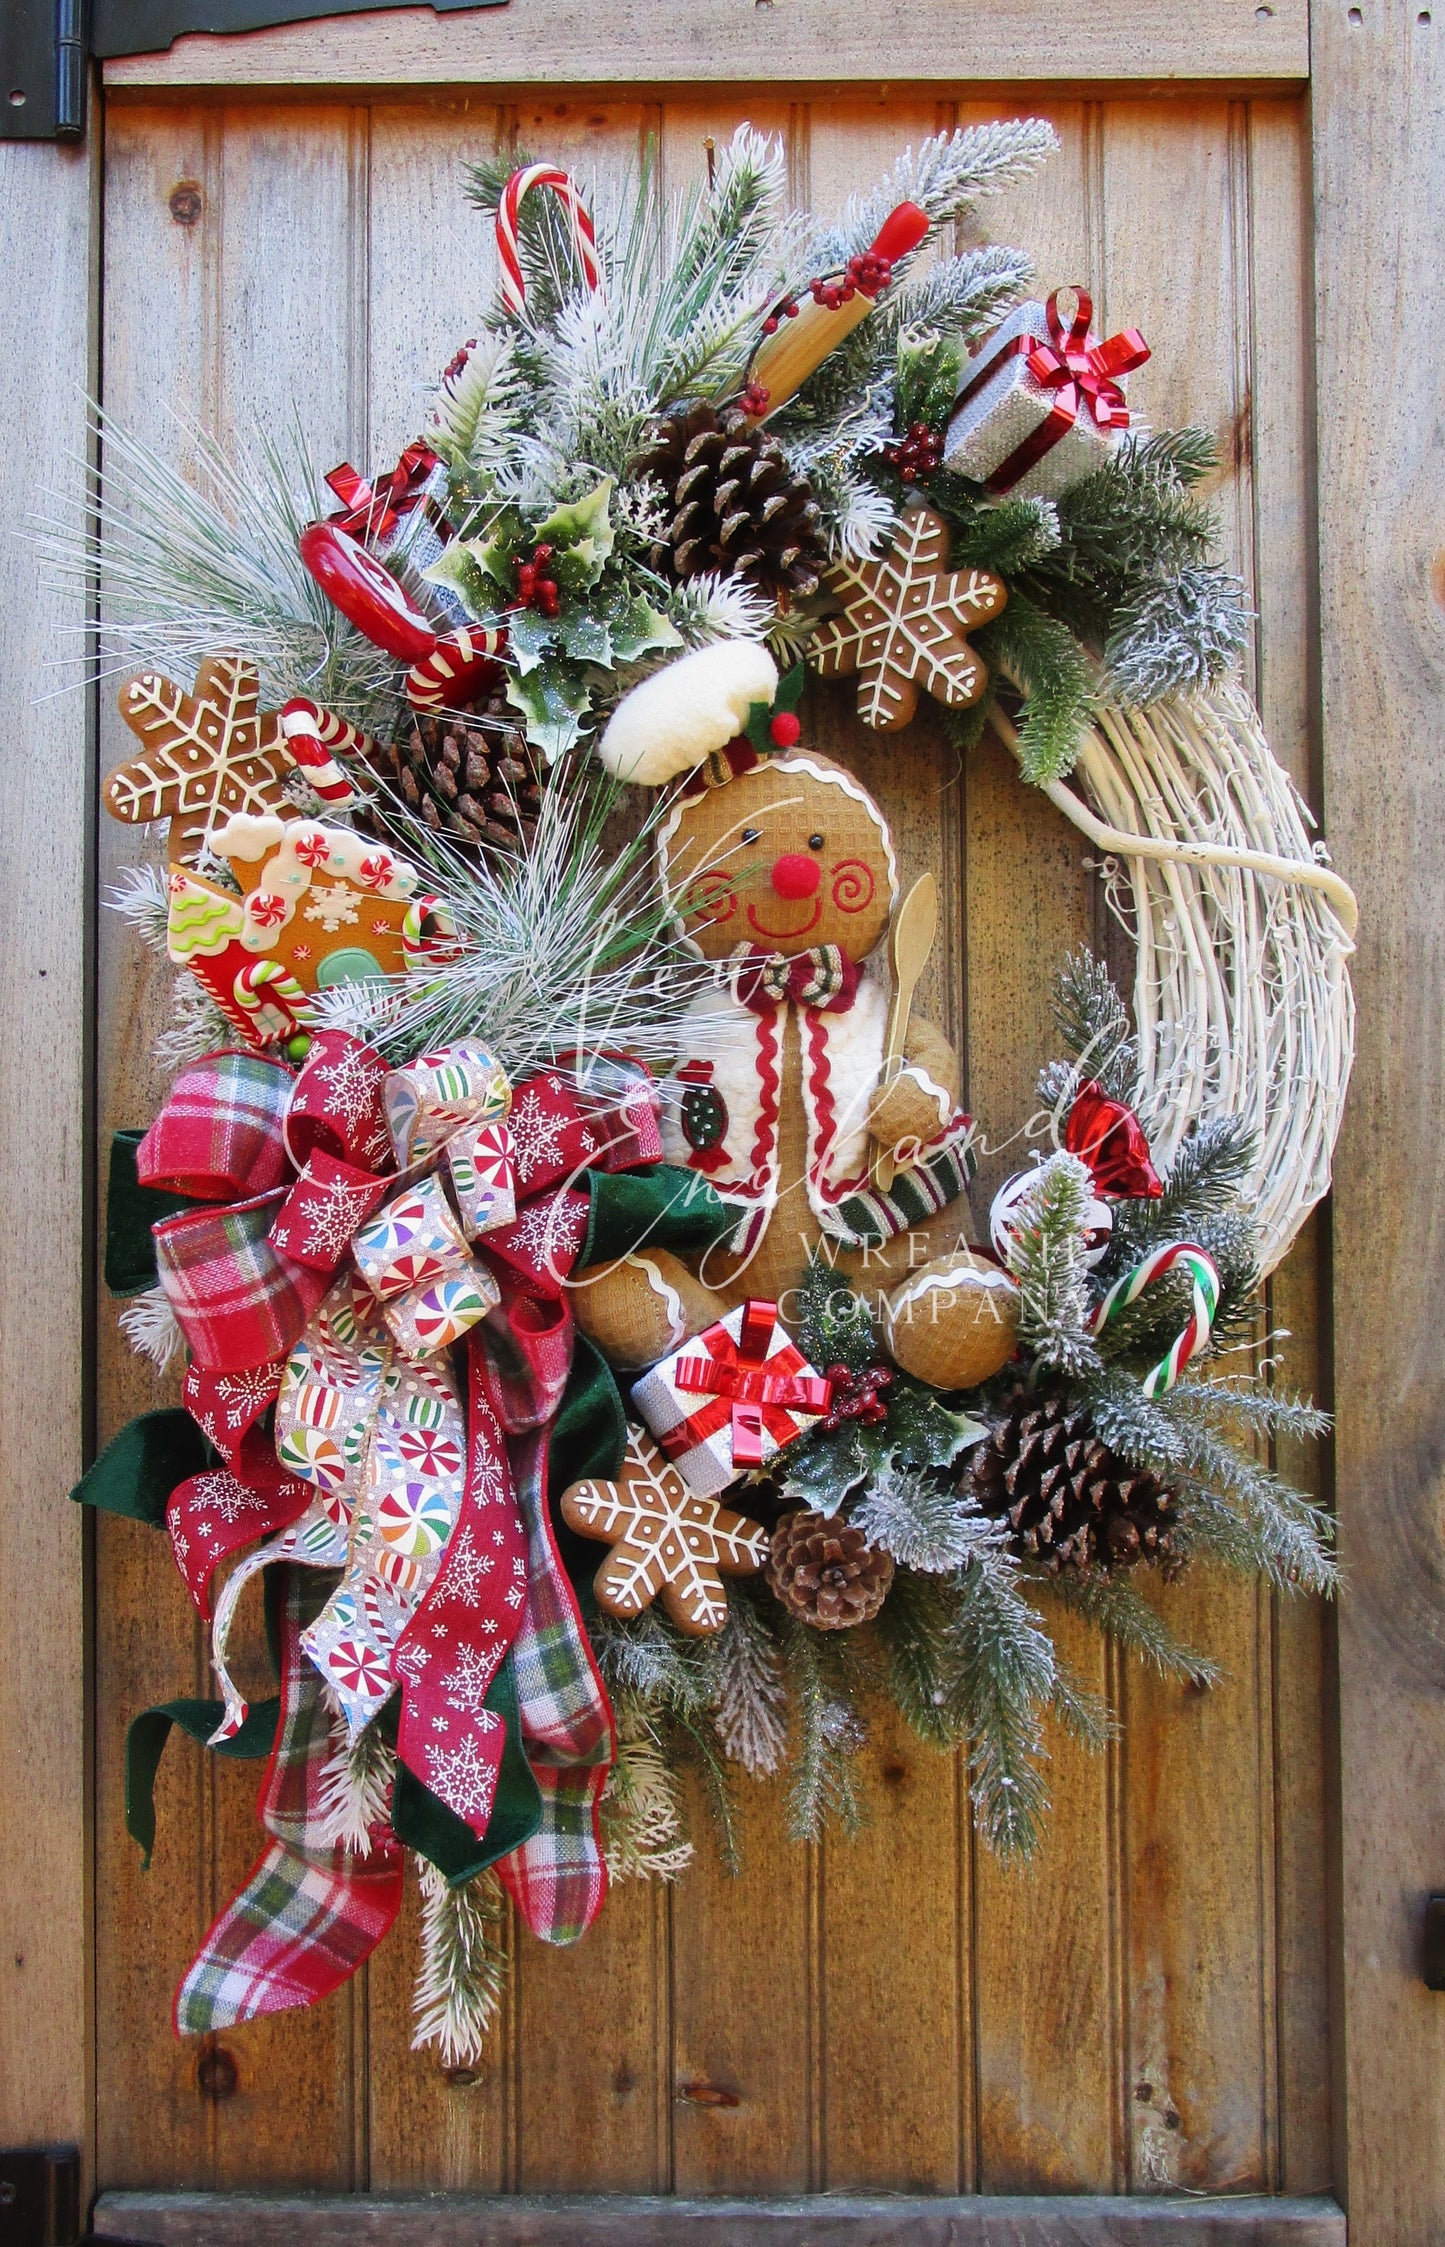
(1006, 1675)
(1115, 1607)
(827, 1732)
(651, 1659)
(749, 1697)
(1258, 1411)
(1175, 633)
(945, 175)
(463, 1972)
(693, 1736)
(642, 1825)
(1094, 1023)
(1084, 1714)
(356, 1784)
(921, 1520)
(1045, 1256)
(1046, 660)
(1008, 538)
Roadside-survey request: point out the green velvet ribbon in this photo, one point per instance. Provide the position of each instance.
(138, 1469)
(445, 1840)
(145, 1744)
(130, 1211)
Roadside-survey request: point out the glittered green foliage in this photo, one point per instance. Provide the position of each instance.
(1095, 1025)
(831, 1324)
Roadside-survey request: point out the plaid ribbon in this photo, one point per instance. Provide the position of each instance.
(824, 978)
(558, 1879)
(237, 1300)
(219, 1136)
(308, 1915)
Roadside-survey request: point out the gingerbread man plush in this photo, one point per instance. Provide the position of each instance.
(782, 871)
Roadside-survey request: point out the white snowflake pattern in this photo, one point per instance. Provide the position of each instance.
(548, 1232)
(536, 1135)
(181, 1543)
(466, 1569)
(351, 1087)
(488, 1480)
(411, 1661)
(332, 1213)
(441, 1724)
(515, 1596)
(245, 1394)
(587, 1142)
(466, 1686)
(462, 1777)
(335, 905)
(221, 1493)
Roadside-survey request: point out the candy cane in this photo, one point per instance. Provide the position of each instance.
(584, 241)
(1186, 1345)
(459, 666)
(270, 994)
(312, 736)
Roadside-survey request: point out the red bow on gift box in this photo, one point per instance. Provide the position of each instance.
(371, 512)
(1109, 1137)
(1083, 370)
(736, 1376)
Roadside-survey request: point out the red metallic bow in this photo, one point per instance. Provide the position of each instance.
(745, 1392)
(1108, 1137)
(371, 512)
(1083, 370)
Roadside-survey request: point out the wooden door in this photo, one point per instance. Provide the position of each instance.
(1148, 2008)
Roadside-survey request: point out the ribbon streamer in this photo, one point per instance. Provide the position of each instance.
(1204, 1274)
(584, 241)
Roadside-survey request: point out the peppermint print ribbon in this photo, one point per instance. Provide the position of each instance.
(584, 240)
(1204, 1275)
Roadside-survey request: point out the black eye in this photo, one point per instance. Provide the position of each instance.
(752, 834)
(815, 842)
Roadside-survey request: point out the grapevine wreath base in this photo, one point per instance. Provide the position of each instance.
(564, 1236)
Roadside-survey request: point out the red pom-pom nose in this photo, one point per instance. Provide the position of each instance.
(795, 874)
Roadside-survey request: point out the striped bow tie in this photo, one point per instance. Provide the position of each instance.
(825, 978)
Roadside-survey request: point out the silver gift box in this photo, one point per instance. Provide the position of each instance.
(1009, 407)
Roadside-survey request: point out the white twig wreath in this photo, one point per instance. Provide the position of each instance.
(1242, 930)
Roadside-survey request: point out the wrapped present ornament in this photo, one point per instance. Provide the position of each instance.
(400, 516)
(732, 1399)
(1042, 403)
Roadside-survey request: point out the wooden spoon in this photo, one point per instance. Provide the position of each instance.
(909, 943)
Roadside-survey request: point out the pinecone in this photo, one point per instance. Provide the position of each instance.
(478, 784)
(826, 1572)
(736, 504)
(1070, 1501)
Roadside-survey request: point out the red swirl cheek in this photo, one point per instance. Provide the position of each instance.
(853, 885)
(712, 897)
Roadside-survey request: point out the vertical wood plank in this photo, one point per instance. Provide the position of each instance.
(1279, 428)
(1378, 93)
(48, 193)
(1198, 1823)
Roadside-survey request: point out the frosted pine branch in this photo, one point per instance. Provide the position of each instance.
(1181, 631)
(142, 898)
(463, 1972)
(944, 175)
(920, 1521)
(749, 1696)
(642, 1829)
(1045, 1255)
(355, 1793)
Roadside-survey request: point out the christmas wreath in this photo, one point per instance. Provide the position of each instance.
(558, 1206)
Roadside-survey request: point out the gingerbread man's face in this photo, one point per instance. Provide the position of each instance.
(787, 857)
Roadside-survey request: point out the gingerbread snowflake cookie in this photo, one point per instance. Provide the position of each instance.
(206, 754)
(905, 625)
(664, 1539)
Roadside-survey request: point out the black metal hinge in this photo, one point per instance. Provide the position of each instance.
(39, 2196)
(44, 45)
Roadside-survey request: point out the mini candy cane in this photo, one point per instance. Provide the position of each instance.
(460, 665)
(270, 994)
(312, 736)
(514, 294)
(1186, 1345)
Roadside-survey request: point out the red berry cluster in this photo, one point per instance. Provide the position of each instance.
(454, 366)
(755, 400)
(868, 272)
(787, 310)
(916, 454)
(858, 1396)
(535, 590)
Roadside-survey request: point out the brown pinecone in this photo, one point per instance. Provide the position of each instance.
(736, 504)
(478, 784)
(826, 1572)
(1070, 1501)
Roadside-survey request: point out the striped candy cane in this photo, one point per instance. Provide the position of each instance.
(314, 736)
(584, 241)
(460, 665)
(1186, 1345)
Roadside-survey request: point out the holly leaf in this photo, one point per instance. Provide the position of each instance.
(637, 628)
(586, 637)
(461, 567)
(762, 714)
(581, 536)
(920, 1428)
(823, 1470)
(553, 700)
(529, 636)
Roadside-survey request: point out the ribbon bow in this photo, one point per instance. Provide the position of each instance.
(824, 978)
(1109, 1138)
(746, 1394)
(1083, 370)
(371, 512)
